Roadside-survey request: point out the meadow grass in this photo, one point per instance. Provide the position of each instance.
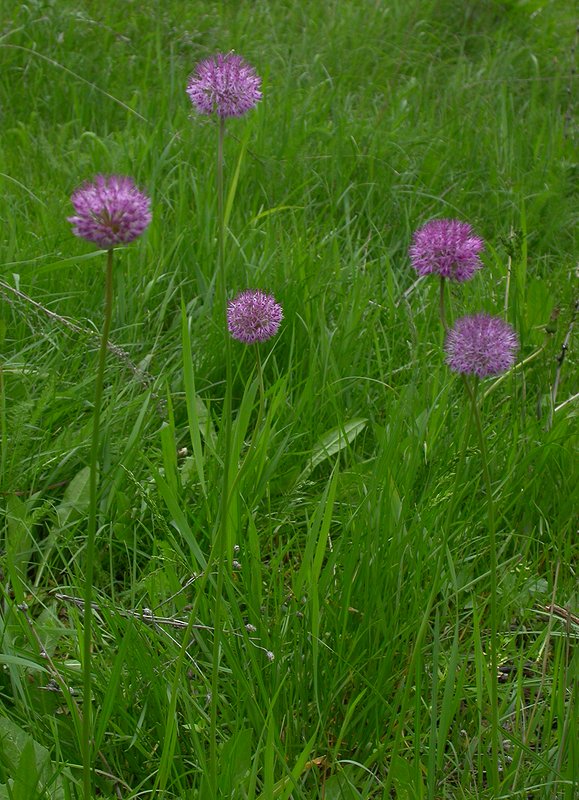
(354, 646)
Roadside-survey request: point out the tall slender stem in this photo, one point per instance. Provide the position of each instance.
(220, 545)
(3, 437)
(472, 392)
(91, 536)
(256, 429)
(261, 391)
(441, 305)
(221, 214)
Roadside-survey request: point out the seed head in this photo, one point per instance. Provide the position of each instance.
(481, 345)
(224, 84)
(446, 247)
(110, 211)
(253, 316)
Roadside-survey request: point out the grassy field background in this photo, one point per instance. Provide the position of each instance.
(355, 657)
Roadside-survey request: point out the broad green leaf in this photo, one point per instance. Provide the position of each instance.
(76, 498)
(235, 761)
(29, 765)
(333, 442)
(13, 740)
(338, 787)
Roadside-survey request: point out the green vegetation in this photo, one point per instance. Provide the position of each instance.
(355, 623)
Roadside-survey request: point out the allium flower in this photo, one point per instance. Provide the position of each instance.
(224, 84)
(110, 211)
(253, 317)
(481, 345)
(446, 247)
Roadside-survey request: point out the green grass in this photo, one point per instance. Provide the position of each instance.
(360, 511)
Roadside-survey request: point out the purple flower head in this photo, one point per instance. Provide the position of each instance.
(110, 211)
(481, 345)
(253, 316)
(446, 247)
(224, 84)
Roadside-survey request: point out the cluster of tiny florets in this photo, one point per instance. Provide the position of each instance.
(110, 211)
(446, 247)
(225, 85)
(481, 345)
(253, 316)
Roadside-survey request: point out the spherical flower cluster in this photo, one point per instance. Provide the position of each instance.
(481, 345)
(110, 211)
(253, 317)
(446, 247)
(224, 84)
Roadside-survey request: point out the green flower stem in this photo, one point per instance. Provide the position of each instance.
(221, 214)
(472, 392)
(221, 543)
(3, 436)
(261, 387)
(86, 743)
(441, 305)
(258, 421)
(261, 409)
(459, 476)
